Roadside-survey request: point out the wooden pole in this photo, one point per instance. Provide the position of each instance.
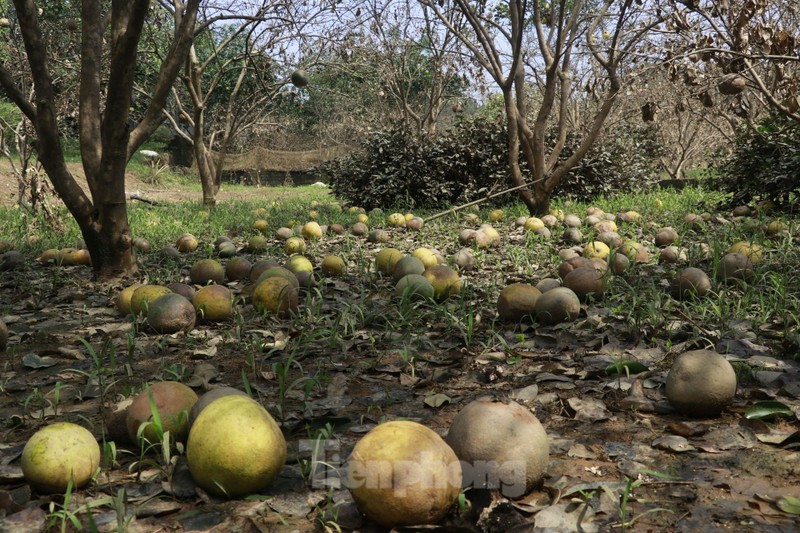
(453, 210)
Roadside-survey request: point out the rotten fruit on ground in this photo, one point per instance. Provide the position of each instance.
(690, 282)
(276, 295)
(235, 448)
(171, 313)
(504, 443)
(446, 281)
(206, 271)
(557, 305)
(56, 452)
(701, 383)
(172, 400)
(402, 473)
(214, 303)
(517, 302)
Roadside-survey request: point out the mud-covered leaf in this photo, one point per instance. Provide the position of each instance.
(673, 443)
(767, 410)
(437, 400)
(32, 360)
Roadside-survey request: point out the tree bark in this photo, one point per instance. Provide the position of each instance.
(105, 137)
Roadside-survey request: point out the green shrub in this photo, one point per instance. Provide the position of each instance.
(10, 115)
(764, 164)
(401, 167)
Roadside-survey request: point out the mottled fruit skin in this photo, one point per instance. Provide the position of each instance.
(171, 313)
(701, 383)
(504, 443)
(690, 282)
(517, 302)
(402, 473)
(57, 451)
(235, 448)
(557, 305)
(173, 401)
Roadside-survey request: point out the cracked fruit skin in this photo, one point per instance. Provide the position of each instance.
(402, 473)
(235, 448)
(56, 451)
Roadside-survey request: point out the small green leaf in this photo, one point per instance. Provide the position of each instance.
(627, 367)
(789, 504)
(768, 409)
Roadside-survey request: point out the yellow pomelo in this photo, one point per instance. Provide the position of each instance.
(276, 295)
(332, 266)
(596, 250)
(124, 299)
(446, 281)
(496, 215)
(312, 230)
(214, 303)
(402, 473)
(144, 294)
(752, 251)
(533, 223)
(261, 225)
(58, 451)
(298, 263)
(294, 245)
(396, 220)
(235, 448)
(427, 257)
(386, 260)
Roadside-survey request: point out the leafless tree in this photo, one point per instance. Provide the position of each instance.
(107, 140)
(531, 43)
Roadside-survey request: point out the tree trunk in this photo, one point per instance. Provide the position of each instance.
(108, 239)
(512, 131)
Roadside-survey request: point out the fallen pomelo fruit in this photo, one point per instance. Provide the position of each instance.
(701, 383)
(517, 302)
(124, 299)
(386, 259)
(143, 295)
(557, 305)
(211, 396)
(415, 286)
(235, 448)
(690, 282)
(58, 451)
(214, 303)
(276, 295)
(504, 443)
(171, 313)
(446, 281)
(206, 271)
(172, 400)
(402, 473)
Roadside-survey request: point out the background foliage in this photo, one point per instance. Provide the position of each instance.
(398, 166)
(765, 163)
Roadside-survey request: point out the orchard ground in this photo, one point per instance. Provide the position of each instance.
(356, 355)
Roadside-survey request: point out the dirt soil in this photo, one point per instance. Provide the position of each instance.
(9, 188)
(620, 458)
